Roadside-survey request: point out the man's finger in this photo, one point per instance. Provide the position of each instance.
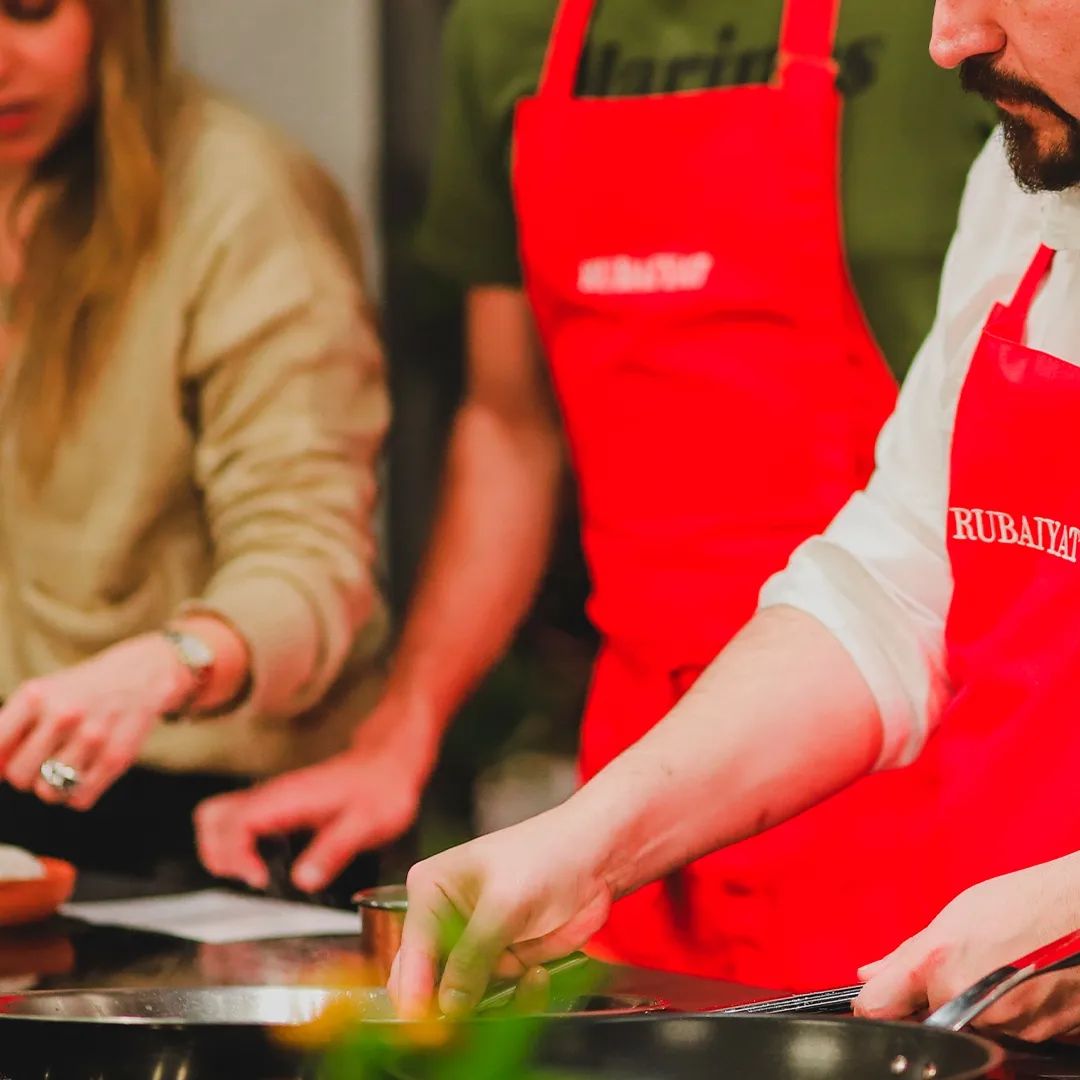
(530, 954)
(413, 986)
(393, 982)
(230, 827)
(1059, 1015)
(228, 846)
(280, 807)
(566, 939)
(474, 958)
(897, 991)
(331, 850)
(533, 993)
(417, 964)
(868, 971)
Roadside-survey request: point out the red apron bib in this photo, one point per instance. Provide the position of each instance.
(992, 791)
(721, 394)
(1010, 742)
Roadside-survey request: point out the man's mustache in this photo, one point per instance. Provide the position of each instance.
(978, 75)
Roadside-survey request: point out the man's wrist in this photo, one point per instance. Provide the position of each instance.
(616, 823)
(405, 724)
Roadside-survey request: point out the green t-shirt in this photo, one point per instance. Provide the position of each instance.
(909, 136)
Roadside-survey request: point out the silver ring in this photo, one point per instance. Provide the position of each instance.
(59, 776)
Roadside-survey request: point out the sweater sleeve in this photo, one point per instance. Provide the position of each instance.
(285, 368)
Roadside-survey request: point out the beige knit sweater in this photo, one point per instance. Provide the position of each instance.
(225, 461)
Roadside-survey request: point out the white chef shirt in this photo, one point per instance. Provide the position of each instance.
(879, 576)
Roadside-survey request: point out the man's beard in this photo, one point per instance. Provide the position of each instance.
(1036, 169)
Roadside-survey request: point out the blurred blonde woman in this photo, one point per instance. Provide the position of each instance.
(192, 403)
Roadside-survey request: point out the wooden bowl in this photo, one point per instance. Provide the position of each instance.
(23, 902)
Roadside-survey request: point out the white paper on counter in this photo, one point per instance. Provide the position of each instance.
(217, 917)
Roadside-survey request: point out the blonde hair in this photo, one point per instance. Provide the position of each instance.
(102, 195)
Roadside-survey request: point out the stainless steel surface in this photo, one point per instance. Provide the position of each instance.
(973, 1002)
(382, 917)
(277, 1006)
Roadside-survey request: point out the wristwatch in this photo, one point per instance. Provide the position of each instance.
(198, 658)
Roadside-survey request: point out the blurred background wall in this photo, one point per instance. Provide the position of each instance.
(312, 66)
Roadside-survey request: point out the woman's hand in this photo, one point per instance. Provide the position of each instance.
(527, 894)
(986, 927)
(93, 717)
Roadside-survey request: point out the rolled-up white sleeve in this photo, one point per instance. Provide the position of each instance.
(879, 578)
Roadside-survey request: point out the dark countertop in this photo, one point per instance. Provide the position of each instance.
(66, 954)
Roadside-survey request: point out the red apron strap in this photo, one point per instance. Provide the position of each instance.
(1018, 309)
(809, 30)
(568, 37)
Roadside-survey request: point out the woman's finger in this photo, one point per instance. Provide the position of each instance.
(107, 760)
(41, 742)
(75, 753)
(17, 717)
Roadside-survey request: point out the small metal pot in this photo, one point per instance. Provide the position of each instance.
(382, 916)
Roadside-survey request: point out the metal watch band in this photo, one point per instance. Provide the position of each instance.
(198, 658)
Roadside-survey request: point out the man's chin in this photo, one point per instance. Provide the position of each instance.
(1043, 157)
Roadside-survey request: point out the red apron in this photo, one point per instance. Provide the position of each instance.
(721, 394)
(1009, 743)
(992, 792)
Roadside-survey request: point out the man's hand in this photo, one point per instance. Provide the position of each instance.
(986, 927)
(525, 895)
(93, 717)
(360, 800)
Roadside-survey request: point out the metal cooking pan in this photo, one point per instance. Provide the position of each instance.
(218, 1034)
(205, 1033)
(643, 1048)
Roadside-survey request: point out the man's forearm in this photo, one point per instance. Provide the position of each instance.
(781, 720)
(490, 546)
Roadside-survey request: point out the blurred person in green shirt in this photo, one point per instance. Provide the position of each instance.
(689, 241)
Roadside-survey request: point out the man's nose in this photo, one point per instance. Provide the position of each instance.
(963, 29)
